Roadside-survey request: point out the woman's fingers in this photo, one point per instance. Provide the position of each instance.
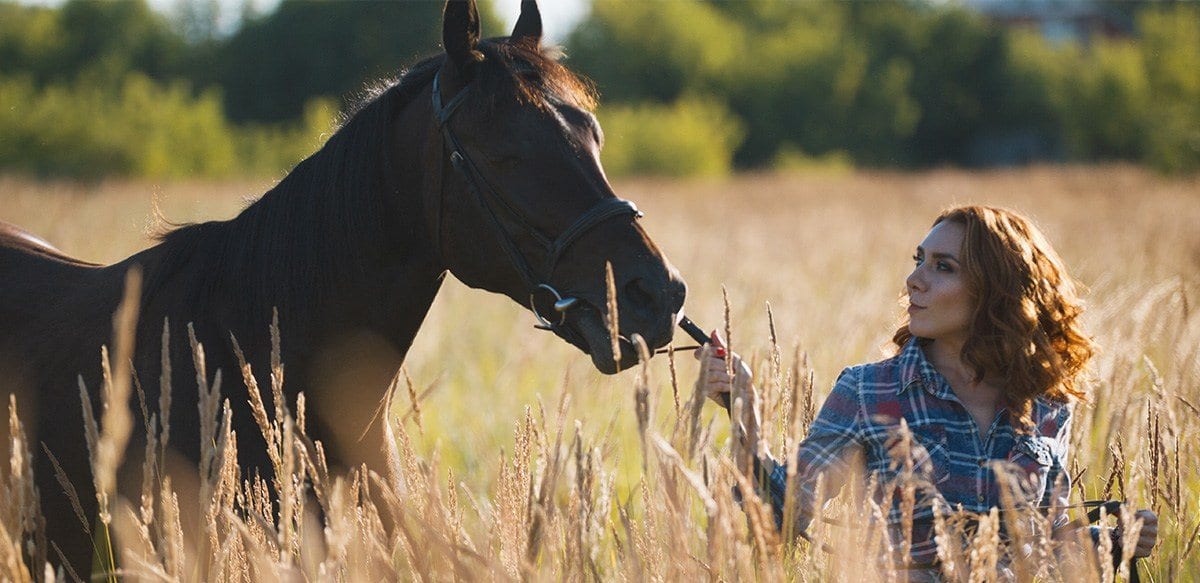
(713, 373)
(715, 365)
(716, 347)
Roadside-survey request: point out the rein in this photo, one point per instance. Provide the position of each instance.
(490, 199)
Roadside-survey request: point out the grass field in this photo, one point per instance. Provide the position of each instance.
(499, 484)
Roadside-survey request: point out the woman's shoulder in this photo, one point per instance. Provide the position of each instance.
(893, 372)
(861, 392)
(874, 380)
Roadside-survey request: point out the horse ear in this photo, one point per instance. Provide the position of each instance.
(460, 32)
(529, 24)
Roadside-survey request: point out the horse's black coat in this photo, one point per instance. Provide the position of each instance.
(350, 248)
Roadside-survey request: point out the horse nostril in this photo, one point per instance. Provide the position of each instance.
(640, 298)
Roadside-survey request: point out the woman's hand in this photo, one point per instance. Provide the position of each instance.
(1148, 536)
(714, 373)
(715, 365)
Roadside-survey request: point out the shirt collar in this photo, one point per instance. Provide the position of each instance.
(917, 371)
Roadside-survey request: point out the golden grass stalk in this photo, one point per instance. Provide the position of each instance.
(542, 508)
(106, 442)
(1136, 435)
(696, 481)
(901, 450)
(612, 318)
(695, 407)
(69, 488)
(412, 398)
(643, 404)
(1131, 530)
(22, 528)
(1105, 549)
(116, 422)
(164, 385)
(674, 379)
(985, 548)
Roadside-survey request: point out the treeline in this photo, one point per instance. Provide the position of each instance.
(93, 89)
(688, 87)
(702, 86)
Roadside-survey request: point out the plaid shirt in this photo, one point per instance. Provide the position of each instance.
(864, 412)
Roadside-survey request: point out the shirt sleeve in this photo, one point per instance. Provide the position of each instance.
(837, 428)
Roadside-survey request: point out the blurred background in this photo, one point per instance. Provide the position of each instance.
(246, 88)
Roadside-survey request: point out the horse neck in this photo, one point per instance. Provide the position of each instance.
(338, 247)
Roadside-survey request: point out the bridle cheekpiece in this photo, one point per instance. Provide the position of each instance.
(492, 202)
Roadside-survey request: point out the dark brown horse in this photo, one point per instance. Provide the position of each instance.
(482, 161)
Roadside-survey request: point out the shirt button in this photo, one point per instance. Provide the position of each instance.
(982, 462)
(979, 499)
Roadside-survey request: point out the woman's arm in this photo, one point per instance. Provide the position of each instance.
(825, 451)
(737, 394)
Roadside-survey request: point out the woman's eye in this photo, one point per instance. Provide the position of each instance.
(943, 266)
(916, 259)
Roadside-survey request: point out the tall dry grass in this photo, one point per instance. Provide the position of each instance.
(526, 464)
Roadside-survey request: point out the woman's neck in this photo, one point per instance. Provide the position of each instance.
(946, 357)
(981, 397)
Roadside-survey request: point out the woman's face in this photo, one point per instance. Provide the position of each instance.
(940, 304)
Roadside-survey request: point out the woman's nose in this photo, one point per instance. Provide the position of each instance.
(914, 281)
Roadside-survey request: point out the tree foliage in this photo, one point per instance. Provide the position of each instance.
(102, 38)
(93, 89)
(692, 136)
(89, 129)
(905, 83)
(688, 86)
(274, 65)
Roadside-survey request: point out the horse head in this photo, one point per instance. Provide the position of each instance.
(522, 206)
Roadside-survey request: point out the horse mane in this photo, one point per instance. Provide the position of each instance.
(536, 73)
(294, 243)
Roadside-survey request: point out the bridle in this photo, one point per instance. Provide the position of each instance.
(492, 202)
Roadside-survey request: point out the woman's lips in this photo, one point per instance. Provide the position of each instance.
(914, 308)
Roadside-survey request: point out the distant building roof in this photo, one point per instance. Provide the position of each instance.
(1058, 20)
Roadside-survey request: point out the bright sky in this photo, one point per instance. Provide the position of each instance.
(558, 16)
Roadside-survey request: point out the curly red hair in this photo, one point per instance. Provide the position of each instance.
(1025, 325)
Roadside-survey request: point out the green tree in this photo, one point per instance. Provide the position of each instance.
(105, 39)
(30, 38)
(272, 67)
(1170, 43)
(793, 73)
(957, 82)
(691, 137)
(655, 50)
(90, 129)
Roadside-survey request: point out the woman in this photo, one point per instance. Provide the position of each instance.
(987, 368)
